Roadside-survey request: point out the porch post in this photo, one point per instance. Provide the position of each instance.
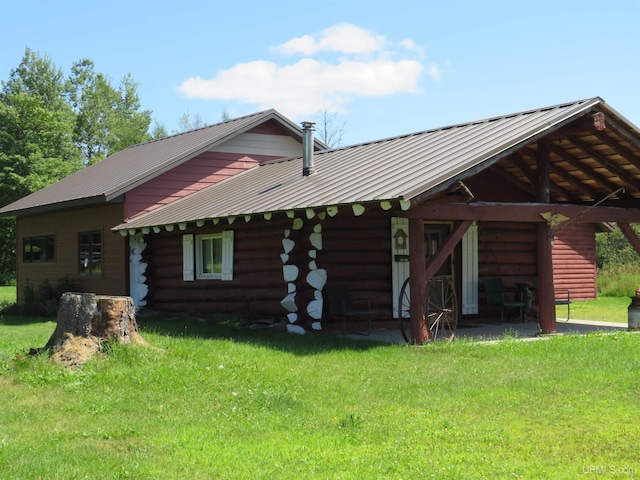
(544, 237)
(417, 282)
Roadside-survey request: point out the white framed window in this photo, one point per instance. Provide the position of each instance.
(208, 257)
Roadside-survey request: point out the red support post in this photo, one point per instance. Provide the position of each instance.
(544, 236)
(546, 291)
(417, 282)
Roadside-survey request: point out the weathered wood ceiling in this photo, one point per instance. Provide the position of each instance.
(588, 163)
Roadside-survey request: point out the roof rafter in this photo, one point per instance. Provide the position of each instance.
(623, 174)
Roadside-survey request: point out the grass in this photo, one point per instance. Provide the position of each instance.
(215, 402)
(7, 294)
(604, 309)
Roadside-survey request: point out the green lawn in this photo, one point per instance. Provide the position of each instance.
(215, 402)
(7, 294)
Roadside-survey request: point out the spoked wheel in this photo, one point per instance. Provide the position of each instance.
(441, 309)
(403, 311)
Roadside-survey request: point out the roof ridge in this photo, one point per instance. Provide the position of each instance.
(466, 124)
(232, 120)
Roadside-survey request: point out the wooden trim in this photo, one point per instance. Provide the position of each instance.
(446, 248)
(523, 212)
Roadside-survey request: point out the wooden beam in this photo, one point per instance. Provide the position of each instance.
(623, 151)
(446, 248)
(523, 212)
(631, 136)
(595, 176)
(544, 258)
(615, 169)
(631, 236)
(544, 167)
(524, 186)
(417, 281)
(546, 289)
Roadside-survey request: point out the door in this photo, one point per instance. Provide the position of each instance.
(434, 235)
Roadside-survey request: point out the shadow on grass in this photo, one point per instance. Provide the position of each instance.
(23, 319)
(308, 344)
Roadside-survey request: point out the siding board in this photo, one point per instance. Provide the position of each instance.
(65, 228)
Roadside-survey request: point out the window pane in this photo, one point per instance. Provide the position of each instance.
(50, 248)
(207, 255)
(90, 253)
(26, 250)
(84, 254)
(217, 255)
(38, 249)
(96, 253)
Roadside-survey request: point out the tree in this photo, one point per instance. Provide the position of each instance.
(159, 131)
(36, 141)
(108, 120)
(186, 123)
(329, 131)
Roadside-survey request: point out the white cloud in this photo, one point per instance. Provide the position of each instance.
(364, 66)
(343, 38)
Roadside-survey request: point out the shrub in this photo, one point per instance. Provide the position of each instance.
(42, 300)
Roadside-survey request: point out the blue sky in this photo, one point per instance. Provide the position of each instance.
(385, 67)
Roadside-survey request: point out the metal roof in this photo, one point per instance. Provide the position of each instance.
(119, 173)
(404, 167)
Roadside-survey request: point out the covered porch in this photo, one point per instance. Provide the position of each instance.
(586, 171)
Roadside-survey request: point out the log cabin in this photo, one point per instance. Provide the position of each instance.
(517, 196)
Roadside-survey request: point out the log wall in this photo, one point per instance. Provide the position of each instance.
(355, 252)
(574, 261)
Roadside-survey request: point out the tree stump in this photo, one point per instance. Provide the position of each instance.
(85, 320)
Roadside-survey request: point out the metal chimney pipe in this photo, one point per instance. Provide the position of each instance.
(308, 167)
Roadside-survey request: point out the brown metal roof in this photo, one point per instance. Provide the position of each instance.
(412, 167)
(108, 179)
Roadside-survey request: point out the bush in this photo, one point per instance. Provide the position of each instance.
(613, 250)
(42, 300)
(618, 264)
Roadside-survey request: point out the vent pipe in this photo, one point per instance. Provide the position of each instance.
(308, 167)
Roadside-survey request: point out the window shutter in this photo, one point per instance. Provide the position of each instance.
(187, 258)
(470, 271)
(227, 255)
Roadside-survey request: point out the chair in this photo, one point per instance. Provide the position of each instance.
(564, 300)
(496, 295)
(341, 304)
(562, 296)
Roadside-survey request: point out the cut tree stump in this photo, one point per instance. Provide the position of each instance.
(85, 320)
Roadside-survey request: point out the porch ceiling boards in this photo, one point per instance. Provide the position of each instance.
(587, 165)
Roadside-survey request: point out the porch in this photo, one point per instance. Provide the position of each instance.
(485, 330)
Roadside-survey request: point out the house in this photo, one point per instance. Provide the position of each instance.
(65, 228)
(516, 196)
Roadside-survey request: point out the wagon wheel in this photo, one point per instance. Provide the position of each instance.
(441, 309)
(403, 311)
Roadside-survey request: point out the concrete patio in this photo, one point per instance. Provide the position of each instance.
(483, 331)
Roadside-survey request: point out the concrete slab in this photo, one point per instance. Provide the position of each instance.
(491, 332)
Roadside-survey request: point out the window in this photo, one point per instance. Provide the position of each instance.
(211, 255)
(90, 253)
(38, 249)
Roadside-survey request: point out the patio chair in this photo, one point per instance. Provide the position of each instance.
(342, 305)
(562, 296)
(496, 295)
